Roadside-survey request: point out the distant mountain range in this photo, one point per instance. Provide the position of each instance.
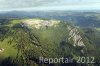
(79, 18)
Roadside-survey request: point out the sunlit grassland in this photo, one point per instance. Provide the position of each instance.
(13, 22)
(98, 29)
(9, 49)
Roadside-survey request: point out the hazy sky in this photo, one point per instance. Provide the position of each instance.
(49, 4)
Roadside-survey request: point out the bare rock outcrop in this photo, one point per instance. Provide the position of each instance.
(75, 37)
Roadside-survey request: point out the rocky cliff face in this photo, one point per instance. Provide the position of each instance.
(39, 23)
(75, 36)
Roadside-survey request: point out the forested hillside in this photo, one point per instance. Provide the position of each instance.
(23, 41)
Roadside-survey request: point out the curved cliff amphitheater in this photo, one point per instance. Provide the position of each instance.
(38, 23)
